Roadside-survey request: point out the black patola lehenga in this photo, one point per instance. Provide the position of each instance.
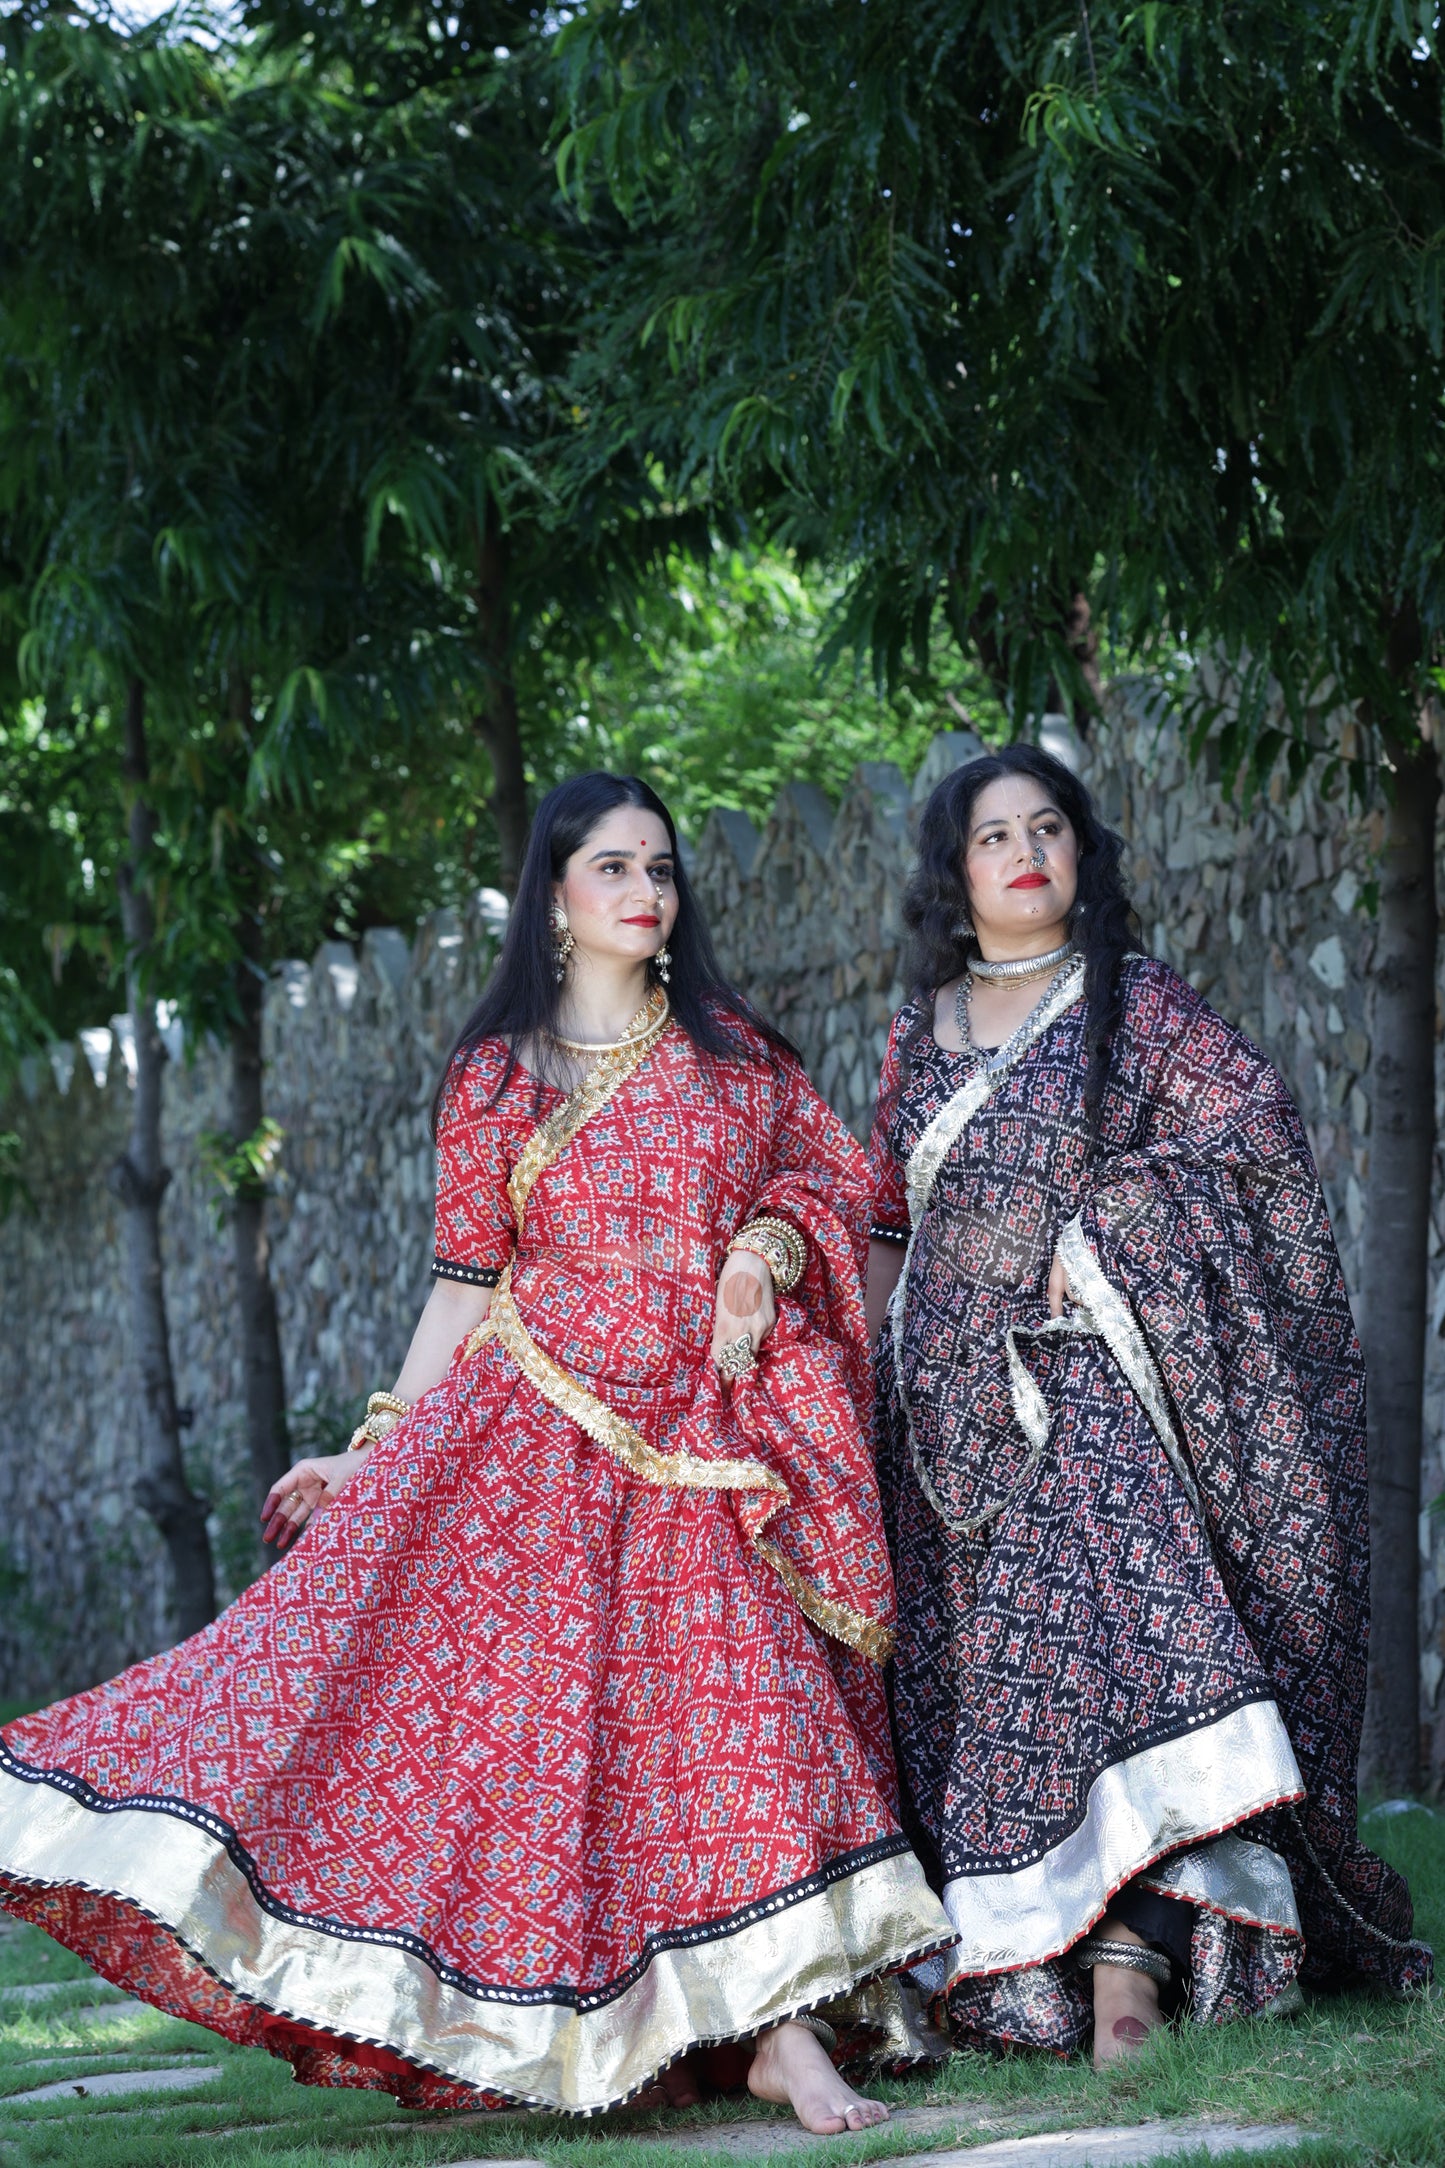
(1131, 1547)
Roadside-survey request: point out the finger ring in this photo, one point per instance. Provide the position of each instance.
(736, 1357)
(296, 1495)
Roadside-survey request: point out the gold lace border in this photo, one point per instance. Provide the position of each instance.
(788, 1952)
(677, 1471)
(550, 1139)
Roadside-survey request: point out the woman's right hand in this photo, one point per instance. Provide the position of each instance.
(308, 1488)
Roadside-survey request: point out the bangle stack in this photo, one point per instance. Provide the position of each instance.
(383, 1412)
(779, 1245)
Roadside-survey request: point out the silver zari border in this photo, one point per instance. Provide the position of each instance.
(1181, 1792)
(921, 1173)
(1130, 1350)
(1234, 1876)
(721, 1987)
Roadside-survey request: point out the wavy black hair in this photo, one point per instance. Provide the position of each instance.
(523, 994)
(1103, 924)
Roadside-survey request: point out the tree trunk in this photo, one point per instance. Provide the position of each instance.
(1079, 630)
(140, 1178)
(1394, 1264)
(262, 1368)
(498, 724)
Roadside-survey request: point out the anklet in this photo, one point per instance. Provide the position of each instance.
(1130, 1956)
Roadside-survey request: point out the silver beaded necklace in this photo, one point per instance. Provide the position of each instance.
(962, 1006)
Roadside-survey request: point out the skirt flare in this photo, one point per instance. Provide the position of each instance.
(517, 1778)
(1080, 1709)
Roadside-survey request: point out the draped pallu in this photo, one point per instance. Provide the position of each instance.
(559, 1743)
(1131, 1543)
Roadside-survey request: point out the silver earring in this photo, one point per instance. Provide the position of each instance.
(563, 942)
(963, 928)
(663, 961)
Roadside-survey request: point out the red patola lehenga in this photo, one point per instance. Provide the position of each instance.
(559, 1743)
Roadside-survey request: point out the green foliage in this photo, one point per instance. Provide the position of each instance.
(725, 689)
(59, 842)
(997, 302)
(244, 1166)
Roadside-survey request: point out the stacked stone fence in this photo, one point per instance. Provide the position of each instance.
(1261, 907)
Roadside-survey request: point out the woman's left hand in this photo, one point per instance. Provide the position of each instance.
(1060, 1291)
(309, 1487)
(746, 1302)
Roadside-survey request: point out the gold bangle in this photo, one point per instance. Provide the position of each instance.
(383, 1412)
(779, 1245)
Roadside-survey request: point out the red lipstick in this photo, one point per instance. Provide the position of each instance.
(1030, 880)
(642, 922)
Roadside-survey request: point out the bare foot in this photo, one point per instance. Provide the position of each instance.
(792, 2068)
(675, 2087)
(1126, 2004)
(679, 2083)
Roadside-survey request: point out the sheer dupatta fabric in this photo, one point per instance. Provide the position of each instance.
(1131, 1544)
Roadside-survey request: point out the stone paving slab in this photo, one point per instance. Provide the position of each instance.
(761, 2139)
(104, 2013)
(70, 2057)
(44, 1990)
(1133, 2147)
(118, 2081)
(519, 2163)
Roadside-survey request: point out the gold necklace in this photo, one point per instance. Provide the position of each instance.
(650, 1017)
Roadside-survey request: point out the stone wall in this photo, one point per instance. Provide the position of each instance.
(1261, 909)
(354, 1042)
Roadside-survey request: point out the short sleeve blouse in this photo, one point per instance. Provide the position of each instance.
(476, 1149)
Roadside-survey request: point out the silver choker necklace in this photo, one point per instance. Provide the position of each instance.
(1026, 967)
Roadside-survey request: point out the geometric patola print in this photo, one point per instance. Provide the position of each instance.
(1092, 1616)
(511, 1720)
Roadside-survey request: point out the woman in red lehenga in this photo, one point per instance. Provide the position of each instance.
(558, 1746)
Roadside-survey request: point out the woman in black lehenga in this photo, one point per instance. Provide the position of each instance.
(1123, 1446)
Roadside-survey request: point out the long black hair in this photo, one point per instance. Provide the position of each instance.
(523, 994)
(1102, 922)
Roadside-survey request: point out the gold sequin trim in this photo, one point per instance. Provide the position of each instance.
(550, 1139)
(867, 1635)
(623, 1440)
(677, 1471)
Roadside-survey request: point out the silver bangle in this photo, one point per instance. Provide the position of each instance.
(1129, 1956)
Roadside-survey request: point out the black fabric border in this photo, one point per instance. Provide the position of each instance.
(445, 1268)
(64, 1780)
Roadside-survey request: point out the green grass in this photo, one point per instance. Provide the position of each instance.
(1364, 2077)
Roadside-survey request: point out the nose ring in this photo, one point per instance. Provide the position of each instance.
(1037, 861)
